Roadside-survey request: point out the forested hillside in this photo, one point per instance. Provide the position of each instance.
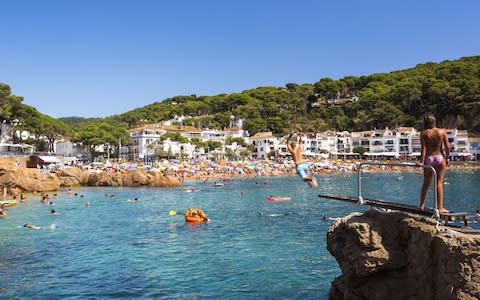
(450, 90)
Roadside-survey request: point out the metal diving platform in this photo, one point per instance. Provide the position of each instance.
(446, 217)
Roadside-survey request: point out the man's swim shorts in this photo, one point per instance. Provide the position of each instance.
(302, 169)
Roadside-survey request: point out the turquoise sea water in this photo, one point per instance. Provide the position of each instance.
(122, 249)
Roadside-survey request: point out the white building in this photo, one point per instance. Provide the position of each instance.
(183, 150)
(387, 143)
(236, 132)
(339, 143)
(72, 150)
(458, 140)
(402, 142)
(361, 138)
(264, 143)
(144, 139)
(474, 147)
(64, 148)
(147, 143)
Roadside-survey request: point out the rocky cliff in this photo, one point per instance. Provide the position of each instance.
(397, 256)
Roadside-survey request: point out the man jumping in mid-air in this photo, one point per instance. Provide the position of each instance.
(301, 166)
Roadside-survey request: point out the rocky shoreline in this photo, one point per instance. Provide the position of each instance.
(13, 174)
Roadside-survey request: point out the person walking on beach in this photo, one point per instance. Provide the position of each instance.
(435, 152)
(301, 166)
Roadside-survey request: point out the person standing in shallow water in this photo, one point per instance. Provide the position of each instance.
(435, 152)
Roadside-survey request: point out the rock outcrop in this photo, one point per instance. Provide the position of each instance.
(397, 256)
(71, 177)
(132, 179)
(30, 180)
(14, 174)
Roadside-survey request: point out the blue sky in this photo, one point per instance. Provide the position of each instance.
(95, 58)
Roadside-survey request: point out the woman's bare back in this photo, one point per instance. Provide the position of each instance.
(433, 139)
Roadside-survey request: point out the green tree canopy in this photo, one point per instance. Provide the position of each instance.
(450, 90)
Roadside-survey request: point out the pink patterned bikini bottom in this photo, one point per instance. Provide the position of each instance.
(434, 160)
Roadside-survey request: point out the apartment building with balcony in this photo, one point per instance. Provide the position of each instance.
(398, 143)
(458, 140)
(265, 143)
(474, 147)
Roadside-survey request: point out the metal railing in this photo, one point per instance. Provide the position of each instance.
(360, 198)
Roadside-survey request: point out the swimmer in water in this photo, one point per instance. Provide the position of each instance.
(272, 198)
(31, 226)
(331, 218)
(262, 214)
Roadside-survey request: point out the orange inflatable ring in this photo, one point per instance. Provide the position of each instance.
(192, 219)
(194, 215)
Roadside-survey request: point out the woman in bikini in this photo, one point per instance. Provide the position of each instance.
(435, 153)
